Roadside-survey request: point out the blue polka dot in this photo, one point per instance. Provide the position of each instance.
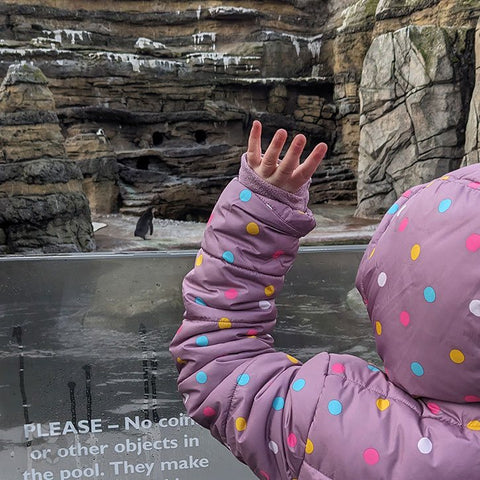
(417, 369)
(393, 209)
(228, 256)
(373, 369)
(245, 195)
(200, 301)
(429, 294)
(335, 407)
(444, 205)
(298, 384)
(243, 379)
(278, 403)
(201, 377)
(202, 341)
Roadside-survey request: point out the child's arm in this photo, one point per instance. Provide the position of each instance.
(232, 380)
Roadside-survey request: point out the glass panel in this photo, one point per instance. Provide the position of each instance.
(87, 385)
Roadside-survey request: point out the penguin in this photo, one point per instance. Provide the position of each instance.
(145, 223)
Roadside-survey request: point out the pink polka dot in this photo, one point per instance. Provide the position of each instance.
(403, 225)
(473, 242)
(407, 193)
(252, 332)
(404, 318)
(210, 219)
(472, 398)
(278, 253)
(209, 412)
(434, 408)
(231, 294)
(474, 184)
(264, 475)
(338, 368)
(292, 440)
(179, 329)
(371, 456)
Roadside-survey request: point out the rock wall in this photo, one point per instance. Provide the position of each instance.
(97, 160)
(413, 111)
(415, 72)
(42, 205)
(472, 134)
(175, 86)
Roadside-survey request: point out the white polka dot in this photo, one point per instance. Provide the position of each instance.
(185, 397)
(264, 305)
(425, 445)
(382, 279)
(401, 209)
(475, 307)
(273, 446)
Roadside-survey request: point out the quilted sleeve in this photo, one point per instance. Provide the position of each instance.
(232, 379)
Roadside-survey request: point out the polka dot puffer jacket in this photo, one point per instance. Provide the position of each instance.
(336, 416)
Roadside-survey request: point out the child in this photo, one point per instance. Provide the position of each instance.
(336, 416)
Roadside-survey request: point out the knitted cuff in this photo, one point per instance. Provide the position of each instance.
(297, 200)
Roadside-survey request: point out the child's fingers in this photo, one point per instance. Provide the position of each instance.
(305, 171)
(292, 157)
(254, 149)
(270, 159)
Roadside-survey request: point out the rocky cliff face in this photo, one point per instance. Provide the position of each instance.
(42, 204)
(174, 87)
(416, 74)
(413, 111)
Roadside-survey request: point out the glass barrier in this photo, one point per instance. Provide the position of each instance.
(87, 385)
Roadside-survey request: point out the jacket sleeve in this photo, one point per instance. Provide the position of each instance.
(232, 379)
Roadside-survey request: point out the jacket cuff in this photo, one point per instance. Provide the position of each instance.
(296, 201)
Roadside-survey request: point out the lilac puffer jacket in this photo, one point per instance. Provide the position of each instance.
(336, 416)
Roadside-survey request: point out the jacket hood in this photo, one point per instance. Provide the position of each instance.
(420, 280)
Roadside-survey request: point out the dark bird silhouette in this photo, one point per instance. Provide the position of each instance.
(145, 223)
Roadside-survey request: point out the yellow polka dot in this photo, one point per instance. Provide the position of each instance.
(269, 290)
(253, 229)
(309, 446)
(378, 328)
(457, 356)
(445, 177)
(415, 252)
(224, 323)
(240, 424)
(474, 425)
(292, 359)
(372, 252)
(251, 336)
(199, 260)
(428, 184)
(180, 361)
(382, 404)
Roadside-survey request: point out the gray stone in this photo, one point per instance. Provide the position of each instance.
(24, 73)
(411, 112)
(472, 133)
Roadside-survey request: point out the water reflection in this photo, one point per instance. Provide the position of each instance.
(85, 340)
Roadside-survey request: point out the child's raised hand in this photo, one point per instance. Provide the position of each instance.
(288, 174)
